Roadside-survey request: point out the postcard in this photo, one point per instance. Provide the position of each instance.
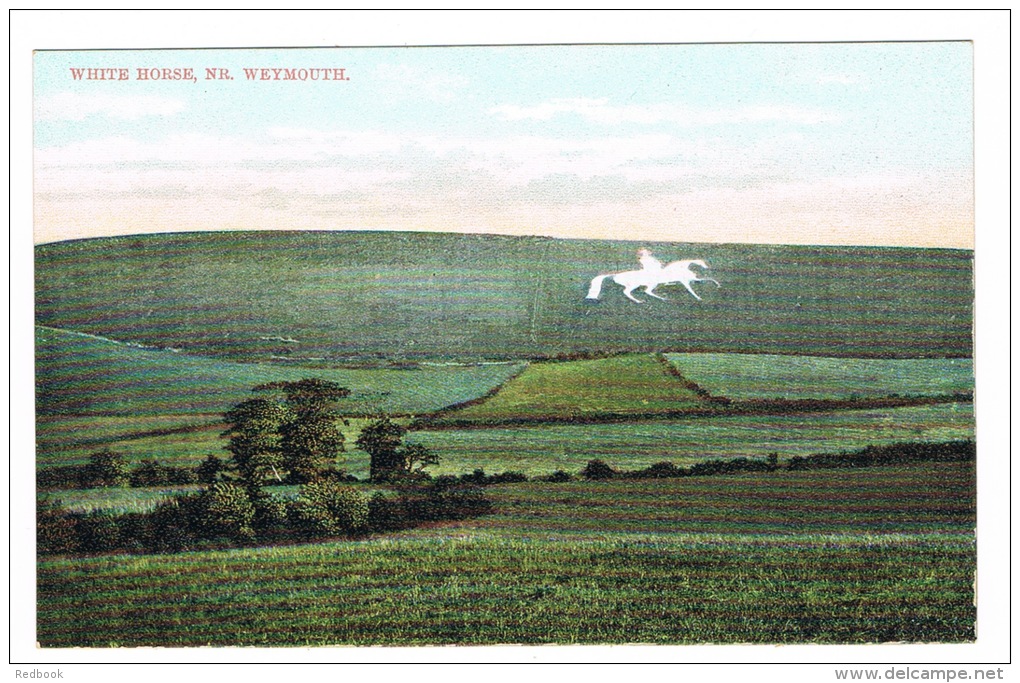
(574, 344)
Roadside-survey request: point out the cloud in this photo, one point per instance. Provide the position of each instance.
(601, 111)
(75, 107)
(406, 81)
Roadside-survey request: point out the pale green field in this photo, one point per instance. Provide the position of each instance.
(759, 376)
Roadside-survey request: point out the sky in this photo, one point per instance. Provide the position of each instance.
(838, 143)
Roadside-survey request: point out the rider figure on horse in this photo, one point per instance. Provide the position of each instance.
(647, 261)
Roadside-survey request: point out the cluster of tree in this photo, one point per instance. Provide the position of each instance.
(229, 514)
(871, 456)
(894, 454)
(107, 468)
(297, 438)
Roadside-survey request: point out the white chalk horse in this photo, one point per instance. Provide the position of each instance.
(675, 273)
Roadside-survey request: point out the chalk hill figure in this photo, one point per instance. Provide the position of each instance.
(651, 275)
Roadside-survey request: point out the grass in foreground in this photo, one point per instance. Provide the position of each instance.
(875, 555)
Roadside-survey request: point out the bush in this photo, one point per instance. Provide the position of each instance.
(661, 470)
(507, 478)
(134, 531)
(442, 504)
(63, 477)
(270, 512)
(151, 473)
(97, 532)
(170, 525)
(893, 454)
(325, 506)
(385, 514)
(559, 476)
(106, 468)
(55, 529)
(597, 470)
(209, 469)
(224, 509)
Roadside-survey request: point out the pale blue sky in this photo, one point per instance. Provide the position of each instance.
(803, 143)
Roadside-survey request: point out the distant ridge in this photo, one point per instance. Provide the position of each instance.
(416, 296)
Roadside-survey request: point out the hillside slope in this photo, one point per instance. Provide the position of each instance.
(82, 375)
(432, 295)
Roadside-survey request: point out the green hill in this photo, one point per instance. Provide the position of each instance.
(308, 295)
(81, 375)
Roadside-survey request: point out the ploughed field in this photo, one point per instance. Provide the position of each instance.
(869, 555)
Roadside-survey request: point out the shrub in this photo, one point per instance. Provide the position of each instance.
(134, 531)
(151, 473)
(270, 512)
(105, 468)
(224, 509)
(385, 514)
(55, 529)
(477, 478)
(209, 469)
(325, 506)
(661, 470)
(597, 470)
(63, 477)
(97, 532)
(893, 454)
(441, 504)
(559, 476)
(170, 525)
(507, 478)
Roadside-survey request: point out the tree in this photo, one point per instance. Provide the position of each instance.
(208, 472)
(255, 442)
(309, 439)
(309, 446)
(106, 468)
(417, 457)
(382, 440)
(309, 396)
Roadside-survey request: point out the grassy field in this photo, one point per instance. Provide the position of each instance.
(143, 342)
(78, 374)
(185, 444)
(420, 295)
(542, 449)
(622, 385)
(872, 555)
(763, 376)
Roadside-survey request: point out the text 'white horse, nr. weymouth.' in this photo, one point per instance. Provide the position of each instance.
(651, 276)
